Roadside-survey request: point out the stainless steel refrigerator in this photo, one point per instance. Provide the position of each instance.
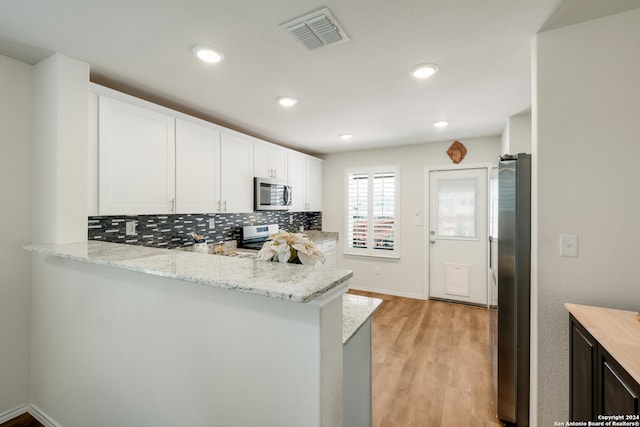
(514, 283)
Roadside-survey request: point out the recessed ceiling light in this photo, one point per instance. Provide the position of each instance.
(441, 123)
(207, 54)
(287, 101)
(423, 71)
(346, 136)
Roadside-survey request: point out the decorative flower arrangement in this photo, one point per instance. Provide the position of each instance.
(290, 247)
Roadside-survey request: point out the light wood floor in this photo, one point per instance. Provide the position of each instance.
(431, 364)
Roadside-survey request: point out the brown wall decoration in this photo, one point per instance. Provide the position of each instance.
(456, 152)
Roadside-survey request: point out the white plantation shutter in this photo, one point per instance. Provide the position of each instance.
(372, 212)
(358, 210)
(383, 210)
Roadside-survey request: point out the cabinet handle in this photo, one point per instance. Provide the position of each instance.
(225, 205)
(172, 206)
(219, 206)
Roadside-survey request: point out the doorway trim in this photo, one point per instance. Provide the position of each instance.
(427, 217)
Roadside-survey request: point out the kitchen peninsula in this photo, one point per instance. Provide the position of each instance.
(135, 336)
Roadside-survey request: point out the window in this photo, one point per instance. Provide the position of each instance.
(456, 208)
(372, 212)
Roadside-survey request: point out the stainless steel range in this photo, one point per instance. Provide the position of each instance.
(254, 236)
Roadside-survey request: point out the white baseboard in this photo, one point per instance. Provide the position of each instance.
(31, 409)
(387, 292)
(13, 413)
(43, 418)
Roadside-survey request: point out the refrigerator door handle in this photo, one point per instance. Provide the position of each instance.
(490, 252)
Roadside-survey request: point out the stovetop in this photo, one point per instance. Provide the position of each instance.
(257, 245)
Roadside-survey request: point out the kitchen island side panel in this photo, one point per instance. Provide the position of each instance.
(117, 347)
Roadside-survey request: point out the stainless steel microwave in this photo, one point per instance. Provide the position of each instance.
(270, 195)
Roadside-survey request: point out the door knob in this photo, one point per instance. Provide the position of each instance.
(432, 239)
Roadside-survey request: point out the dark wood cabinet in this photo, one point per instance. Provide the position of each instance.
(583, 373)
(618, 393)
(599, 385)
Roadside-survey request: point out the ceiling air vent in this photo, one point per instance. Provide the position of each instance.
(316, 29)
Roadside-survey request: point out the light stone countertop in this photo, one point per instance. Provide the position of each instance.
(356, 309)
(297, 283)
(618, 331)
(317, 236)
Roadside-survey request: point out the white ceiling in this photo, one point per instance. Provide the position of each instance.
(361, 87)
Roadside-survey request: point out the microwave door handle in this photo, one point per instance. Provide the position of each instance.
(287, 202)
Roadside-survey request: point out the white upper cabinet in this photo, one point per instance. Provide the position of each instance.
(197, 168)
(270, 161)
(313, 184)
(136, 160)
(297, 170)
(305, 178)
(236, 173)
(153, 160)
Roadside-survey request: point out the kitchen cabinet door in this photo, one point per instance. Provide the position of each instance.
(582, 376)
(136, 158)
(305, 178)
(197, 168)
(236, 173)
(297, 168)
(599, 385)
(618, 393)
(313, 184)
(270, 161)
(329, 249)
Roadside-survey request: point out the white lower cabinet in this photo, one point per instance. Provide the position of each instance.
(136, 159)
(328, 248)
(356, 383)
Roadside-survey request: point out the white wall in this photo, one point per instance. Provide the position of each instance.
(404, 277)
(61, 124)
(113, 347)
(516, 137)
(16, 145)
(586, 129)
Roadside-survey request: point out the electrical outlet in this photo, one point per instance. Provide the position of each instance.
(212, 223)
(290, 219)
(131, 228)
(376, 270)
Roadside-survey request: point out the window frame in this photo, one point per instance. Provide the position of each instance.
(370, 251)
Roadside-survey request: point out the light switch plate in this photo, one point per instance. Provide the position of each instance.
(568, 245)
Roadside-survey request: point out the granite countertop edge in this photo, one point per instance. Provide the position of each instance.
(356, 309)
(295, 283)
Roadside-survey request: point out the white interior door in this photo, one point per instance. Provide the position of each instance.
(458, 235)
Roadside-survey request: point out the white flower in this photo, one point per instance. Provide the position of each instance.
(290, 247)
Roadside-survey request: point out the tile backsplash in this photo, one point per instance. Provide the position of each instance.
(169, 231)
